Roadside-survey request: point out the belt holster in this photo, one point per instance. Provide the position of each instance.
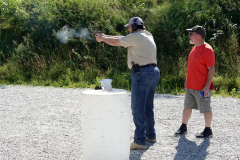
(135, 68)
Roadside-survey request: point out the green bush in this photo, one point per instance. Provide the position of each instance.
(31, 53)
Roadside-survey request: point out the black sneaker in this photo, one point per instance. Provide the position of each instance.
(181, 131)
(205, 134)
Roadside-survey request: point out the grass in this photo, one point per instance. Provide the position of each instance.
(31, 54)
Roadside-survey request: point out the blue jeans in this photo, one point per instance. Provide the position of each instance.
(143, 87)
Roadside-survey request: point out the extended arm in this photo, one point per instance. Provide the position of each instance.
(111, 40)
(112, 36)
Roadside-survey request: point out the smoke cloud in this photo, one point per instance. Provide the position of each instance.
(67, 33)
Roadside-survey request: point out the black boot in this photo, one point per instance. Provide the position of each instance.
(207, 133)
(182, 130)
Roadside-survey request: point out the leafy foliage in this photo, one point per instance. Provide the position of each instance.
(30, 52)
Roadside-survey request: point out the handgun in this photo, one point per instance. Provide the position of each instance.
(95, 32)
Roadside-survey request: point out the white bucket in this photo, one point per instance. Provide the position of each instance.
(105, 125)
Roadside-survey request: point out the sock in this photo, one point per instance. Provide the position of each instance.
(184, 126)
(207, 129)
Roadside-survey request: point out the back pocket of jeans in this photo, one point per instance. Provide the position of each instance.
(148, 77)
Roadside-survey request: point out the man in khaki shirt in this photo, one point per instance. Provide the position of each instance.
(145, 75)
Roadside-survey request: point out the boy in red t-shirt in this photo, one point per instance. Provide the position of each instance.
(200, 72)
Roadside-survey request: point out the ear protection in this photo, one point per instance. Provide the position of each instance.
(134, 25)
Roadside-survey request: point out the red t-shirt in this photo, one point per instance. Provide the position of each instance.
(200, 58)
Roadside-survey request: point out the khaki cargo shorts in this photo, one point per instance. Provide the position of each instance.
(194, 101)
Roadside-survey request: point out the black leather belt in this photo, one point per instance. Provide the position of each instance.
(148, 65)
(136, 67)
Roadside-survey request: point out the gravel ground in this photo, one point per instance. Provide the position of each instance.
(44, 123)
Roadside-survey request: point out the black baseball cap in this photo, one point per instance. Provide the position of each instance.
(199, 30)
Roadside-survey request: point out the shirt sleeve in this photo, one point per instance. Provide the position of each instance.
(210, 57)
(127, 41)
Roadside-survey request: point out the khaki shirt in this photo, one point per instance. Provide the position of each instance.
(141, 48)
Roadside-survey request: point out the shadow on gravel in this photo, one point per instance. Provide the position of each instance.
(137, 154)
(3, 87)
(189, 150)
